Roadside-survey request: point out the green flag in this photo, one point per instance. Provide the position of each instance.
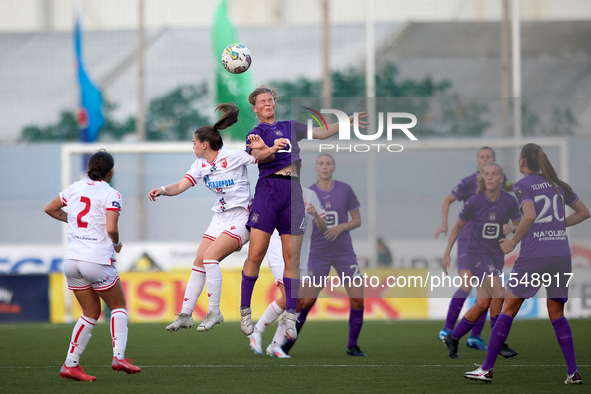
(231, 87)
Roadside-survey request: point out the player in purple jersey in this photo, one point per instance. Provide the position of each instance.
(334, 248)
(544, 251)
(489, 211)
(278, 202)
(462, 192)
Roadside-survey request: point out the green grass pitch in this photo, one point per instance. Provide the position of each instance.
(404, 356)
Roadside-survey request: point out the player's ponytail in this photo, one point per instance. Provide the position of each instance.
(99, 165)
(480, 180)
(211, 134)
(537, 161)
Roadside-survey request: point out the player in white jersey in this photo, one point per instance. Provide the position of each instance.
(276, 263)
(223, 171)
(93, 235)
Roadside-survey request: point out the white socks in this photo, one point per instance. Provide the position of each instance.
(214, 284)
(271, 314)
(80, 337)
(119, 332)
(193, 290)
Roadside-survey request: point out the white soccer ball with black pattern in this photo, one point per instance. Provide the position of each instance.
(236, 58)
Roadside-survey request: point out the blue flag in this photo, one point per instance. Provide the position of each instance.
(90, 115)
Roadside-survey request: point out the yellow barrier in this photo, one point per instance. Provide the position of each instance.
(157, 296)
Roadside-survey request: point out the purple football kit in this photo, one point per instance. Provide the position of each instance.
(337, 202)
(487, 218)
(278, 201)
(462, 192)
(545, 248)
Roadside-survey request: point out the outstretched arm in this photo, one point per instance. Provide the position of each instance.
(171, 190)
(321, 133)
(256, 144)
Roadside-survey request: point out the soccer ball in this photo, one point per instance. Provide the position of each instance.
(236, 58)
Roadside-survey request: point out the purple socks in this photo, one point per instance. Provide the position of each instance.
(291, 302)
(355, 323)
(247, 288)
(479, 325)
(455, 306)
(463, 327)
(498, 336)
(564, 336)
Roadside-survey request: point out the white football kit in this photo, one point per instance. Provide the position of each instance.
(89, 256)
(226, 176)
(275, 252)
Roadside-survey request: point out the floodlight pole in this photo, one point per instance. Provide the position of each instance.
(140, 126)
(370, 93)
(326, 77)
(516, 43)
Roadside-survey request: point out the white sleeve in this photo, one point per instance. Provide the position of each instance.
(316, 202)
(245, 158)
(194, 173)
(114, 201)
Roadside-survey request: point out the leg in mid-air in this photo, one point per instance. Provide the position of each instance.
(193, 289)
(224, 245)
(259, 242)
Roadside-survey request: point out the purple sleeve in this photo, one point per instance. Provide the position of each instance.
(298, 129)
(253, 131)
(352, 201)
(514, 212)
(459, 192)
(468, 210)
(522, 193)
(570, 199)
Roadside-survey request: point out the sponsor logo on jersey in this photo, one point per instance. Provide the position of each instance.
(224, 163)
(219, 184)
(255, 218)
(116, 204)
(203, 165)
(519, 194)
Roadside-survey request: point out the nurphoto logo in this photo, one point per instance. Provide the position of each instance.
(393, 124)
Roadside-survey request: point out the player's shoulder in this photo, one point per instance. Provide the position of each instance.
(342, 185)
(473, 177)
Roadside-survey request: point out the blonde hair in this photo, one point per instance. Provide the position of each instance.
(480, 182)
(252, 98)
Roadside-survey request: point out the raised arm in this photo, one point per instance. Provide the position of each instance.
(322, 133)
(261, 151)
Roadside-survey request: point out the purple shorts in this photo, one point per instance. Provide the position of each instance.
(278, 204)
(555, 268)
(347, 265)
(484, 264)
(463, 254)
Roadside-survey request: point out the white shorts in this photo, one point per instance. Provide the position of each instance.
(84, 275)
(231, 222)
(275, 257)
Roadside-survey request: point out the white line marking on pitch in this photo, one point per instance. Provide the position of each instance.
(296, 365)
